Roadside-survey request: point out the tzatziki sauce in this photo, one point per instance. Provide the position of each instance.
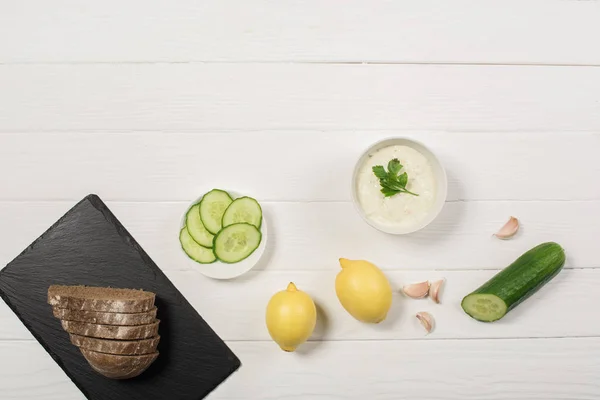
(402, 209)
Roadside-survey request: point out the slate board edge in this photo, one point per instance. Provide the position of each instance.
(101, 206)
(6, 299)
(123, 233)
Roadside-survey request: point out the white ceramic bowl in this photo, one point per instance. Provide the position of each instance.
(438, 171)
(221, 270)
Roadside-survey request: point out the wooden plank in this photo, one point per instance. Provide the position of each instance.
(452, 370)
(460, 239)
(28, 373)
(552, 312)
(317, 166)
(236, 309)
(297, 96)
(307, 31)
(550, 369)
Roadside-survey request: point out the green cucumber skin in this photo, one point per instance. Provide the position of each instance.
(186, 222)
(241, 259)
(240, 198)
(526, 275)
(188, 255)
(200, 202)
(218, 190)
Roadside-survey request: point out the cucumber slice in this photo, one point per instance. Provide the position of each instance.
(236, 242)
(212, 208)
(196, 228)
(194, 250)
(484, 307)
(243, 209)
(515, 283)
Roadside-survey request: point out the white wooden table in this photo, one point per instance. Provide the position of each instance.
(149, 103)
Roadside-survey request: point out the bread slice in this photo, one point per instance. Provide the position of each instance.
(91, 298)
(105, 318)
(118, 366)
(122, 347)
(111, 331)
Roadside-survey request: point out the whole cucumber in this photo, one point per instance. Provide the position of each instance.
(515, 283)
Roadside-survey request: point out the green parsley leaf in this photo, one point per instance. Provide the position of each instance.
(403, 179)
(388, 192)
(394, 167)
(379, 172)
(392, 183)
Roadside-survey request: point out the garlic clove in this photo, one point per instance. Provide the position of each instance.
(509, 229)
(416, 290)
(426, 320)
(434, 290)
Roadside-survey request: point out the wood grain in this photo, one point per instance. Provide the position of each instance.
(297, 96)
(545, 369)
(288, 165)
(453, 370)
(312, 236)
(461, 31)
(240, 314)
(141, 101)
(31, 373)
(235, 309)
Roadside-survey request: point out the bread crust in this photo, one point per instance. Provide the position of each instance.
(116, 330)
(105, 318)
(119, 347)
(111, 331)
(89, 298)
(118, 366)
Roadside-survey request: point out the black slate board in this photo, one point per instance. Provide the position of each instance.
(89, 246)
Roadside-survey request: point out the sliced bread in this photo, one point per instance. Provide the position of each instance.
(111, 331)
(105, 318)
(91, 298)
(118, 366)
(122, 347)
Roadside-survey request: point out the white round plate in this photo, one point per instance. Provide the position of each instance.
(221, 270)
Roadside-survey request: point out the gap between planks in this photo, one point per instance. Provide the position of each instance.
(309, 62)
(284, 201)
(224, 131)
(423, 339)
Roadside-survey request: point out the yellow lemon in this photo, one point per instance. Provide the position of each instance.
(363, 290)
(291, 317)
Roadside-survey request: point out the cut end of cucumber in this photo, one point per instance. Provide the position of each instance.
(484, 307)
